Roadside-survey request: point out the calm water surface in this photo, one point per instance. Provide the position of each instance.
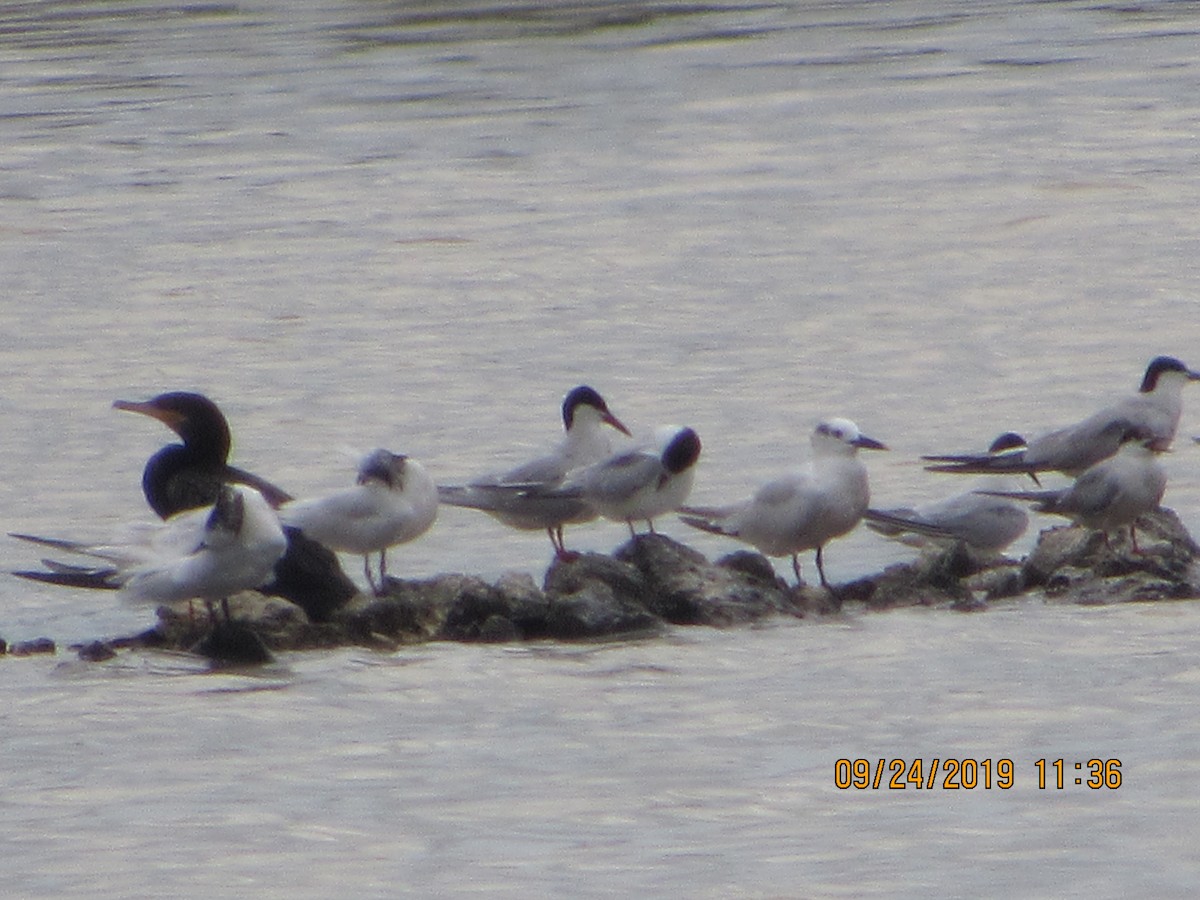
(416, 225)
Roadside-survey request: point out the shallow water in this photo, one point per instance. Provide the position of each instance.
(417, 226)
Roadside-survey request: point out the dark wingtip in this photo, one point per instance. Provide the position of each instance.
(93, 579)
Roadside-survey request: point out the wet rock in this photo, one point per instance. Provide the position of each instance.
(567, 577)
(279, 623)
(233, 643)
(969, 604)
(652, 580)
(905, 584)
(955, 576)
(96, 651)
(593, 595)
(447, 607)
(1075, 565)
(484, 612)
(754, 565)
(386, 621)
(36, 647)
(1000, 581)
(408, 611)
(3, 646)
(684, 588)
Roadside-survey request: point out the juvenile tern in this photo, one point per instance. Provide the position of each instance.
(392, 502)
(1110, 494)
(1155, 411)
(189, 475)
(204, 554)
(802, 510)
(586, 441)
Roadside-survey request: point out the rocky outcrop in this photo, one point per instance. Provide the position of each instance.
(1069, 564)
(1074, 565)
(653, 581)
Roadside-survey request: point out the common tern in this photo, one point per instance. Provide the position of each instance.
(802, 510)
(392, 502)
(1112, 493)
(185, 476)
(203, 554)
(640, 484)
(1154, 411)
(519, 499)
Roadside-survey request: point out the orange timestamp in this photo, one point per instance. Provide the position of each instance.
(967, 773)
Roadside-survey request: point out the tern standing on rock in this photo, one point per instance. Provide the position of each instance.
(653, 477)
(393, 502)
(645, 483)
(1112, 493)
(521, 498)
(804, 510)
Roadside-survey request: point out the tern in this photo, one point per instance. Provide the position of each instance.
(516, 497)
(188, 475)
(1155, 411)
(803, 510)
(392, 502)
(1112, 493)
(651, 478)
(204, 554)
(988, 524)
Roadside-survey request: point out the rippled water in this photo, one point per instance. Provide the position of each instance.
(417, 225)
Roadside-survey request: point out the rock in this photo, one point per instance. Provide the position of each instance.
(233, 643)
(484, 612)
(450, 608)
(35, 647)
(1057, 549)
(996, 583)
(279, 623)
(684, 588)
(652, 580)
(593, 595)
(96, 651)
(955, 576)
(1075, 565)
(906, 584)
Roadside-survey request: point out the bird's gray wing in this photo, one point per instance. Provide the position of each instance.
(620, 477)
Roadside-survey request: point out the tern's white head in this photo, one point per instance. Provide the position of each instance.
(842, 437)
(384, 467)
